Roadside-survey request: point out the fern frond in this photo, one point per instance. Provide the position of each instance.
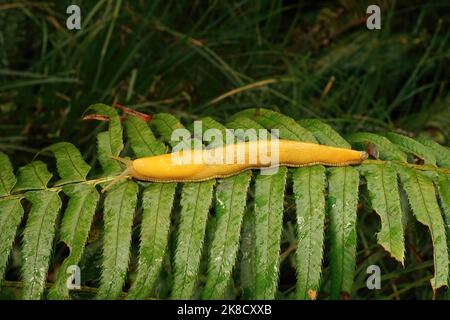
(269, 198)
(74, 231)
(309, 188)
(120, 204)
(195, 202)
(231, 195)
(384, 195)
(7, 178)
(342, 205)
(289, 129)
(110, 142)
(386, 149)
(70, 164)
(441, 153)
(33, 176)
(324, 133)
(422, 198)
(409, 145)
(37, 241)
(157, 202)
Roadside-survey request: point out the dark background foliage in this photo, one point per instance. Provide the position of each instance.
(195, 58)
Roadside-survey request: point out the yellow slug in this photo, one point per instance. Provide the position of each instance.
(196, 164)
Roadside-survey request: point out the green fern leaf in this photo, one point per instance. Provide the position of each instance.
(248, 244)
(119, 207)
(74, 231)
(7, 178)
(422, 199)
(70, 164)
(33, 176)
(386, 149)
(165, 124)
(243, 124)
(157, 201)
(441, 153)
(37, 241)
(324, 133)
(11, 214)
(289, 129)
(195, 202)
(142, 141)
(309, 187)
(248, 260)
(342, 203)
(408, 145)
(384, 195)
(269, 197)
(231, 195)
(109, 143)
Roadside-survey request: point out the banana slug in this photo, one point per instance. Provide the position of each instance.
(171, 167)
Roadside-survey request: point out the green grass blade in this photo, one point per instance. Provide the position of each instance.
(422, 199)
(195, 202)
(157, 201)
(309, 188)
(342, 206)
(384, 195)
(74, 231)
(119, 207)
(70, 164)
(231, 196)
(37, 241)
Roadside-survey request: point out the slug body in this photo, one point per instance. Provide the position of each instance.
(235, 158)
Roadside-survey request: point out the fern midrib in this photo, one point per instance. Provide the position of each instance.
(341, 277)
(310, 228)
(269, 220)
(388, 213)
(59, 188)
